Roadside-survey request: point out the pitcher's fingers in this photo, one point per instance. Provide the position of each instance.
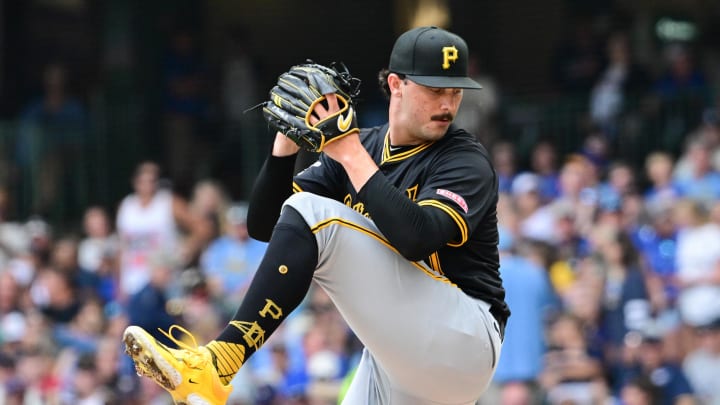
(332, 102)
(320, 110)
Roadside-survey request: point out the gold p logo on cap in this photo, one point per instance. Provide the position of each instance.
(450, 54)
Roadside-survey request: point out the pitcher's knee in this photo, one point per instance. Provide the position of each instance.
(300, 200)
(307, 204)
(315, 208)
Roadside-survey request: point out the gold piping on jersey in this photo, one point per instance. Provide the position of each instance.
(343, 222)
(296, 188)
(388, 157)
(455, 216)
(412, 192)
(435, 263)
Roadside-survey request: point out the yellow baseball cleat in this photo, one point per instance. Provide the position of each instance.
(188, 373)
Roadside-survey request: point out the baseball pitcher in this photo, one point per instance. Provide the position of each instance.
(396, 223)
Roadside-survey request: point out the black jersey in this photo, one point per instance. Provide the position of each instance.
(453, 174)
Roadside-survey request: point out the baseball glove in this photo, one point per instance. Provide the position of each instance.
(297, 93)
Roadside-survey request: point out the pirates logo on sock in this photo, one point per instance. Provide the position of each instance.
(271, 309)
(253, 334)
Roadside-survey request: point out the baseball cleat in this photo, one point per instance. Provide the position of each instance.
(188, 373)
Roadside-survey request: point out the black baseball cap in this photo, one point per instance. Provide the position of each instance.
(432, 57)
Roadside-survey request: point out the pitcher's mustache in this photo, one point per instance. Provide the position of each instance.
(442, 117)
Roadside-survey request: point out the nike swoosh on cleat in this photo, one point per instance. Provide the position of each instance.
(190, 380)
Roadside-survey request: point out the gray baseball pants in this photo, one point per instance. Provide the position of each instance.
(426, 342)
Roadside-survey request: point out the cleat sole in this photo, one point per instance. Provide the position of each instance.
(148, 361)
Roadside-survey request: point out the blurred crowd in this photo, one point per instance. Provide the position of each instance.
(65, 300)
(613, 277)
(611, 265)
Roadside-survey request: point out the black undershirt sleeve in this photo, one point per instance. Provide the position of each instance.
(415, 231)
(272, 187)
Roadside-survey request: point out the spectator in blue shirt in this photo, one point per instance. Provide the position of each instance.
(530, 295)
(669, 378)
(52, 132)
(623, 298)
(703, 182)
(149, 306)
(657, 246)
(544, 163)
(231, 260)
(682, 76)
(503, 153)
(663, 190)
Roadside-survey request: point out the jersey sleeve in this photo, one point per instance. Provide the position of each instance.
(464, 185)
(325, 177)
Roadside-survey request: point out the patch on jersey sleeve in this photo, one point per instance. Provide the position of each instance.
(458, 200)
